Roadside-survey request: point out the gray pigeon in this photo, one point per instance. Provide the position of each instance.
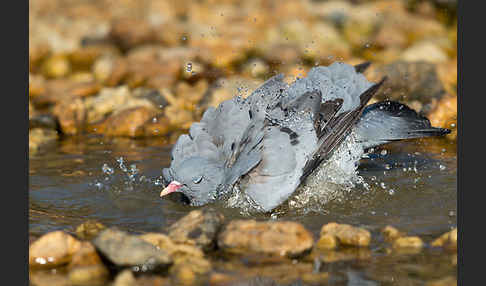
(268, 143)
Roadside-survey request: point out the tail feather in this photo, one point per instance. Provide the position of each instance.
(388, 121)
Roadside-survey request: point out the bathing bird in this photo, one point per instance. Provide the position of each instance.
(268, 143)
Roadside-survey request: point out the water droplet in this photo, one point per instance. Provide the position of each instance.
(107, 169)
(184, 38)
(391, 191)
(383, 152)
(189, 67)
(442, 167)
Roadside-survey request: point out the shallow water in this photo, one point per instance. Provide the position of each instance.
(70, 183)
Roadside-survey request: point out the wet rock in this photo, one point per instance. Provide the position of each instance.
(86, 255)
(83, 58)
(390, 233)
(187, 258)
(446, 281)
(408, 242)
(128, 33)
(448, 75)
(39, 137)
(448, 240)
(123, 249)
(112, 100)
(36, 85)
(59, 90)
(71, 115)
(226, 88)
(256, 68)
(347, 234)
(111, 72)
(268, 238)
(92, 275)
(44, 278)
(128, 122)
(46, 121)
(52, 250)
(424, 51)
(345, 254)
(160, 125)
(362, 23)
(445, 115)
(199, 228)
(89, 229)
(125, 278)
(408, 82)
(327, 241)
(56, 66)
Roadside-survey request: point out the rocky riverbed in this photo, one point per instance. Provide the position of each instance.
(203, 248)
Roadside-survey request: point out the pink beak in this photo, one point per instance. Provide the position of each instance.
(172, 187)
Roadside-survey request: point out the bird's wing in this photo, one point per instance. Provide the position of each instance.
(289, 138)
(387, 121)
(311, 119)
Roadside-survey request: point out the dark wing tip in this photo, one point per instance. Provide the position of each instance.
(360, 68)
(367, 94)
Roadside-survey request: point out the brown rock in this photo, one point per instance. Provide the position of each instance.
(112, 72)
(71, 115)
(84, 58)
(53, 249)
(269, 238)
(445, 115)
(199, 228)
(424, 51)
(89, 229)
(124, 249)
(413, 242)
(56, 66)
(112, 100)
(36, 85)
(92, 275)
(44, 278)
(448, 240)
(347, 234)
(128, 122)
(345, 254)
(408, 81)
(39, 137)
(327, 241)
(85, 256)
(125, 278)
(158, 126)
(128, 33)
(390, 233)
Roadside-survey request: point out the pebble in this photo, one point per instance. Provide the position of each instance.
(448, 240)
(269, 238)
(52, 250)
(123, 249)
(347, 234)
(198, 228)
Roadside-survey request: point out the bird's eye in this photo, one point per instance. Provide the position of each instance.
(197, 180)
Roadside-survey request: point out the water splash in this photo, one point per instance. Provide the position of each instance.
(332, 179)
(122, 175)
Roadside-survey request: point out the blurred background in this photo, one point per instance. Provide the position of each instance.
(142, 68)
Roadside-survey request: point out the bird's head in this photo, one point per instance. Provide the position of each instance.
(197, 178)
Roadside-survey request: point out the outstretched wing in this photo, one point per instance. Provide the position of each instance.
(311, 119)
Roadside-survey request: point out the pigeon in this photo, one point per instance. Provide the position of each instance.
(268, 143)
